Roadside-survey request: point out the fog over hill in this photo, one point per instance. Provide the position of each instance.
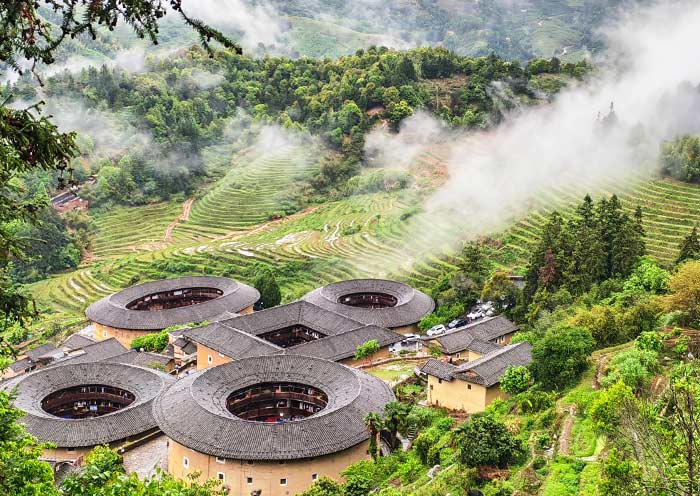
(496, 175)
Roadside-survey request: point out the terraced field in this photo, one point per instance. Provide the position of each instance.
(376, 235)
(133, 229)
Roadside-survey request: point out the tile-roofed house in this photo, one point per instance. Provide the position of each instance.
(117, 310)
(18, 367)
(220, 343)
(473, 385)
(75, 342)
(489, 369)
(33, 359)
(95, 352)
(151, 307)
(296, 313)
(479, 337)
(35, 353)
(298, 328)
(142, 359)
(343, 346)
(351, 395)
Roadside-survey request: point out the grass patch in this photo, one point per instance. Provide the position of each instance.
(392, 372)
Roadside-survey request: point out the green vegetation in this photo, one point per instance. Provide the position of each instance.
(329, 98)
(366, 349)
(156, 341)
(266, 283)
(103, 475)
(680, 158)
(516, 380)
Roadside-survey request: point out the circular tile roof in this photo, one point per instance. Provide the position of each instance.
(411, 305)
(112, 310)
(193, 410)
(133, 419)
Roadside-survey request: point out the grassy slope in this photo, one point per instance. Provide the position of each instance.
(228, 230)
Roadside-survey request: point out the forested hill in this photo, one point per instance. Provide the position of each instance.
(189, 102)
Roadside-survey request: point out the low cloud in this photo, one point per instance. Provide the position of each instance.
(649, 73)
(256, 24)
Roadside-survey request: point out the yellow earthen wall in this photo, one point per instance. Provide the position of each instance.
(382, 354)
(124, 336)
(203, 354)
(456, 395)
(266, 476)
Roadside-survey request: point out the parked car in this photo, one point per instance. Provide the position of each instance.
(410, 343)
(436, 330)
(457, 323)
(475, 315)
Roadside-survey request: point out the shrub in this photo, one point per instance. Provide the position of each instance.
(515, 380)
(633, 367)
(561, 356)
(151, 342)
(649, 341)
(483, 440)
(366, 349)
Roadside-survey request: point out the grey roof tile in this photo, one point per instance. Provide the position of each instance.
(475, 334)
(229, 341)
(140, 358)
(342, 346)
(134, 419)
(486, 370)
(20, 365)
(489, 369)
(192, 411)
(412, 305)
(40, 350)
(76, 341)
(438, 368)
(112, 311)
(95, 352)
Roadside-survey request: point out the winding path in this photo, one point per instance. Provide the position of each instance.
(184, 217)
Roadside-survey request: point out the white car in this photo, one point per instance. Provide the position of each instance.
(436, 330)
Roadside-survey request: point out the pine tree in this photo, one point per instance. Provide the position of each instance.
(689, 249)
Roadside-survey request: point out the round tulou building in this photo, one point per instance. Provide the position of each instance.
(381, 302)
(154, 306)
(272, 424)
(80, 406)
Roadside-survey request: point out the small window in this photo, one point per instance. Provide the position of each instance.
(250, 480)
(314, 476)
(283, 482)
(209, 359)
(104, 333)
(220, 476)
(431, 387)
(458, 355)
(469, 386)
(220, 460)
(439, 381)
(185, 462)
(70, 450)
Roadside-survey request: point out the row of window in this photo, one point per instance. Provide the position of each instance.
(222, 477)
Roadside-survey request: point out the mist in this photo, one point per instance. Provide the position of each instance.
(256, 24)
(495, 177)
